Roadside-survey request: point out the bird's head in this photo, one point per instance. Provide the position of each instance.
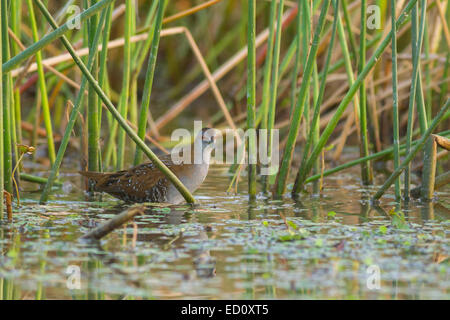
(204, 145)
(208, 137)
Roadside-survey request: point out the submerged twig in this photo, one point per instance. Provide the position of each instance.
(112, 224)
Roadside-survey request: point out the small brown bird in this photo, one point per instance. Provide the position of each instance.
(146, 183)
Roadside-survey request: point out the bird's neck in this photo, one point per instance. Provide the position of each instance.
(200, 155)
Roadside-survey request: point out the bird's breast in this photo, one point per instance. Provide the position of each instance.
(192, 178)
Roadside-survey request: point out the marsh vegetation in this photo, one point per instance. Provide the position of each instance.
(359, 91)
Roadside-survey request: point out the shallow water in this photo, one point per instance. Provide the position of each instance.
(223, 248)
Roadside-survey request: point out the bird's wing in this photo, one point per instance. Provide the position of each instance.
(136, 181)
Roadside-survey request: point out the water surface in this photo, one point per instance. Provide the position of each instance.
(331, 247)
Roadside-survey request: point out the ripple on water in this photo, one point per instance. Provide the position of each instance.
(225, 248)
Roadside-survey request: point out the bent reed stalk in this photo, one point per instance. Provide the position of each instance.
(109, 105)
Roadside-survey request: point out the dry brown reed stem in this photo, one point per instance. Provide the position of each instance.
(81, 52)
(22, 71)
(29, 62)
(194, 94)
(442, 142)
(444, 22)
(209, 77)
(118, 11)
(112, 224)
(340, 142)
(436, 34)
(387, 93)
(338, 96)
(148, 137)
(8, 201)
(404, 119)
(404, 84)
(40, 131)
(166, 32)
(261, 55)
(373, 115)
(203, 86)
(190, 11)
(64, 57)
(351, 118)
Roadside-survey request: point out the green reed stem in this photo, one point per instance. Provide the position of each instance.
(92, 105)
(251, 98)
(339, 63)
(349, 96)
(396, 134)
(349, 71)
(413, 152)
(74, 113)
(297, 41)
(13, 135)
(274, 86)
(2, 174)
(348, 26)
(112, 125)
(6, 97)
(374, 156)
(142, 48)
(298, 111)
(416, 88)
(429, 169)
(444, 86)
(145, 104)
(428, 66)
(430, 149)
(420, 97)
(366, 171)
(268, 65)
(124, 95)
(347, 58)
(139, 53)
(316, 130)
(288, 56)
(36, 179)
(311, 140)
(16, 10)
(37, 46)
(306, 35)
(158, 163)
(42, 87)
(291, 51)
(103, 68)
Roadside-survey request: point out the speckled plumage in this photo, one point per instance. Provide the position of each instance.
(145, 183)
